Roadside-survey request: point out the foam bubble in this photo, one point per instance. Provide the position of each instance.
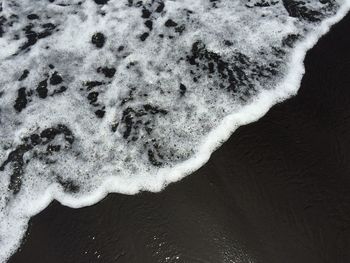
(126, 96)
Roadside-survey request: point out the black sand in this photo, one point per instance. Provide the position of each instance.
(277, 192)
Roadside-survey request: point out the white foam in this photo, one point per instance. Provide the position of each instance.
(185, 129)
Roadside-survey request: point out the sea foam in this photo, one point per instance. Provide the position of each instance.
(128, 96)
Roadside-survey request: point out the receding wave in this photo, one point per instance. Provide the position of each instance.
(123, 96)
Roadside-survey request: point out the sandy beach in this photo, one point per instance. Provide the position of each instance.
(276, 192)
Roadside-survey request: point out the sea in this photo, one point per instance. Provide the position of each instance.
(107, 96)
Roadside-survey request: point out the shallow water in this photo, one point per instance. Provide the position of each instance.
(128, 96)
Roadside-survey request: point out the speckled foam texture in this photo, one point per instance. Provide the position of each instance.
(123, 95)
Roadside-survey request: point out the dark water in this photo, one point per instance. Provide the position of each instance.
(102, 97)
(277, 192)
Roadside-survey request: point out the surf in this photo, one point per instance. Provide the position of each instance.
(129, 96)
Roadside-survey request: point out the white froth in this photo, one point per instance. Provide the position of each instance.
(230, 56)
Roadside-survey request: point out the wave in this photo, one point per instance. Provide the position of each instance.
(126, 96)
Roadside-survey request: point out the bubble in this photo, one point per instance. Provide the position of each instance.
(128, 96)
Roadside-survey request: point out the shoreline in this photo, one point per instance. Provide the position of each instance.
(267, 169)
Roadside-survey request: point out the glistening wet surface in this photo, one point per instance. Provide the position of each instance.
(277, 191)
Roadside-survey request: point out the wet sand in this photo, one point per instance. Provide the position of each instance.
(277, 192)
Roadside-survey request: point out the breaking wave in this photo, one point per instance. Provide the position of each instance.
(124, 96)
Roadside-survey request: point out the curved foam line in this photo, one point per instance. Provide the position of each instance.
(251, 113)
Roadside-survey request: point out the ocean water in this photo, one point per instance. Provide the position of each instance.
(127, 96)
